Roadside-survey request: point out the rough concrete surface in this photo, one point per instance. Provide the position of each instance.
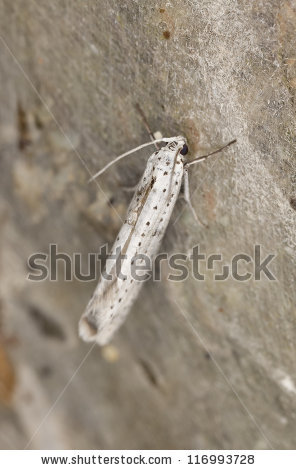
(198, 364)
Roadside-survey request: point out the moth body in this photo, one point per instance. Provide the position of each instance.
(141, 234)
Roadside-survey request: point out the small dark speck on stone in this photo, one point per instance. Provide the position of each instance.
(166, 34)
(46, 324)
(45, 371)
(111, 201)
(293, 203)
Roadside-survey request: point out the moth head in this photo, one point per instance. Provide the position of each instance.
(179, 143)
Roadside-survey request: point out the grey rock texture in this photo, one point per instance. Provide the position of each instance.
(217, 368)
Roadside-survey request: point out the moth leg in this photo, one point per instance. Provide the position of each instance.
(129, 189)
(186, 196)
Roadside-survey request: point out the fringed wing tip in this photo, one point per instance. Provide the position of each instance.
(87, 330)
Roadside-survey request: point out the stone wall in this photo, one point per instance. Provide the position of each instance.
(197, 364)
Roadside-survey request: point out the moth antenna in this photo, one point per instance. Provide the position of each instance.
(145, 122)
(203, 157)
(100, 172)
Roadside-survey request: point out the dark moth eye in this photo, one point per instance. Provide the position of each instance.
(184, 150)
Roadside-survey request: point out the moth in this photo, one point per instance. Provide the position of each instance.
(146, 221)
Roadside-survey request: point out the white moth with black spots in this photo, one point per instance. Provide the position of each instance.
(141, 234)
